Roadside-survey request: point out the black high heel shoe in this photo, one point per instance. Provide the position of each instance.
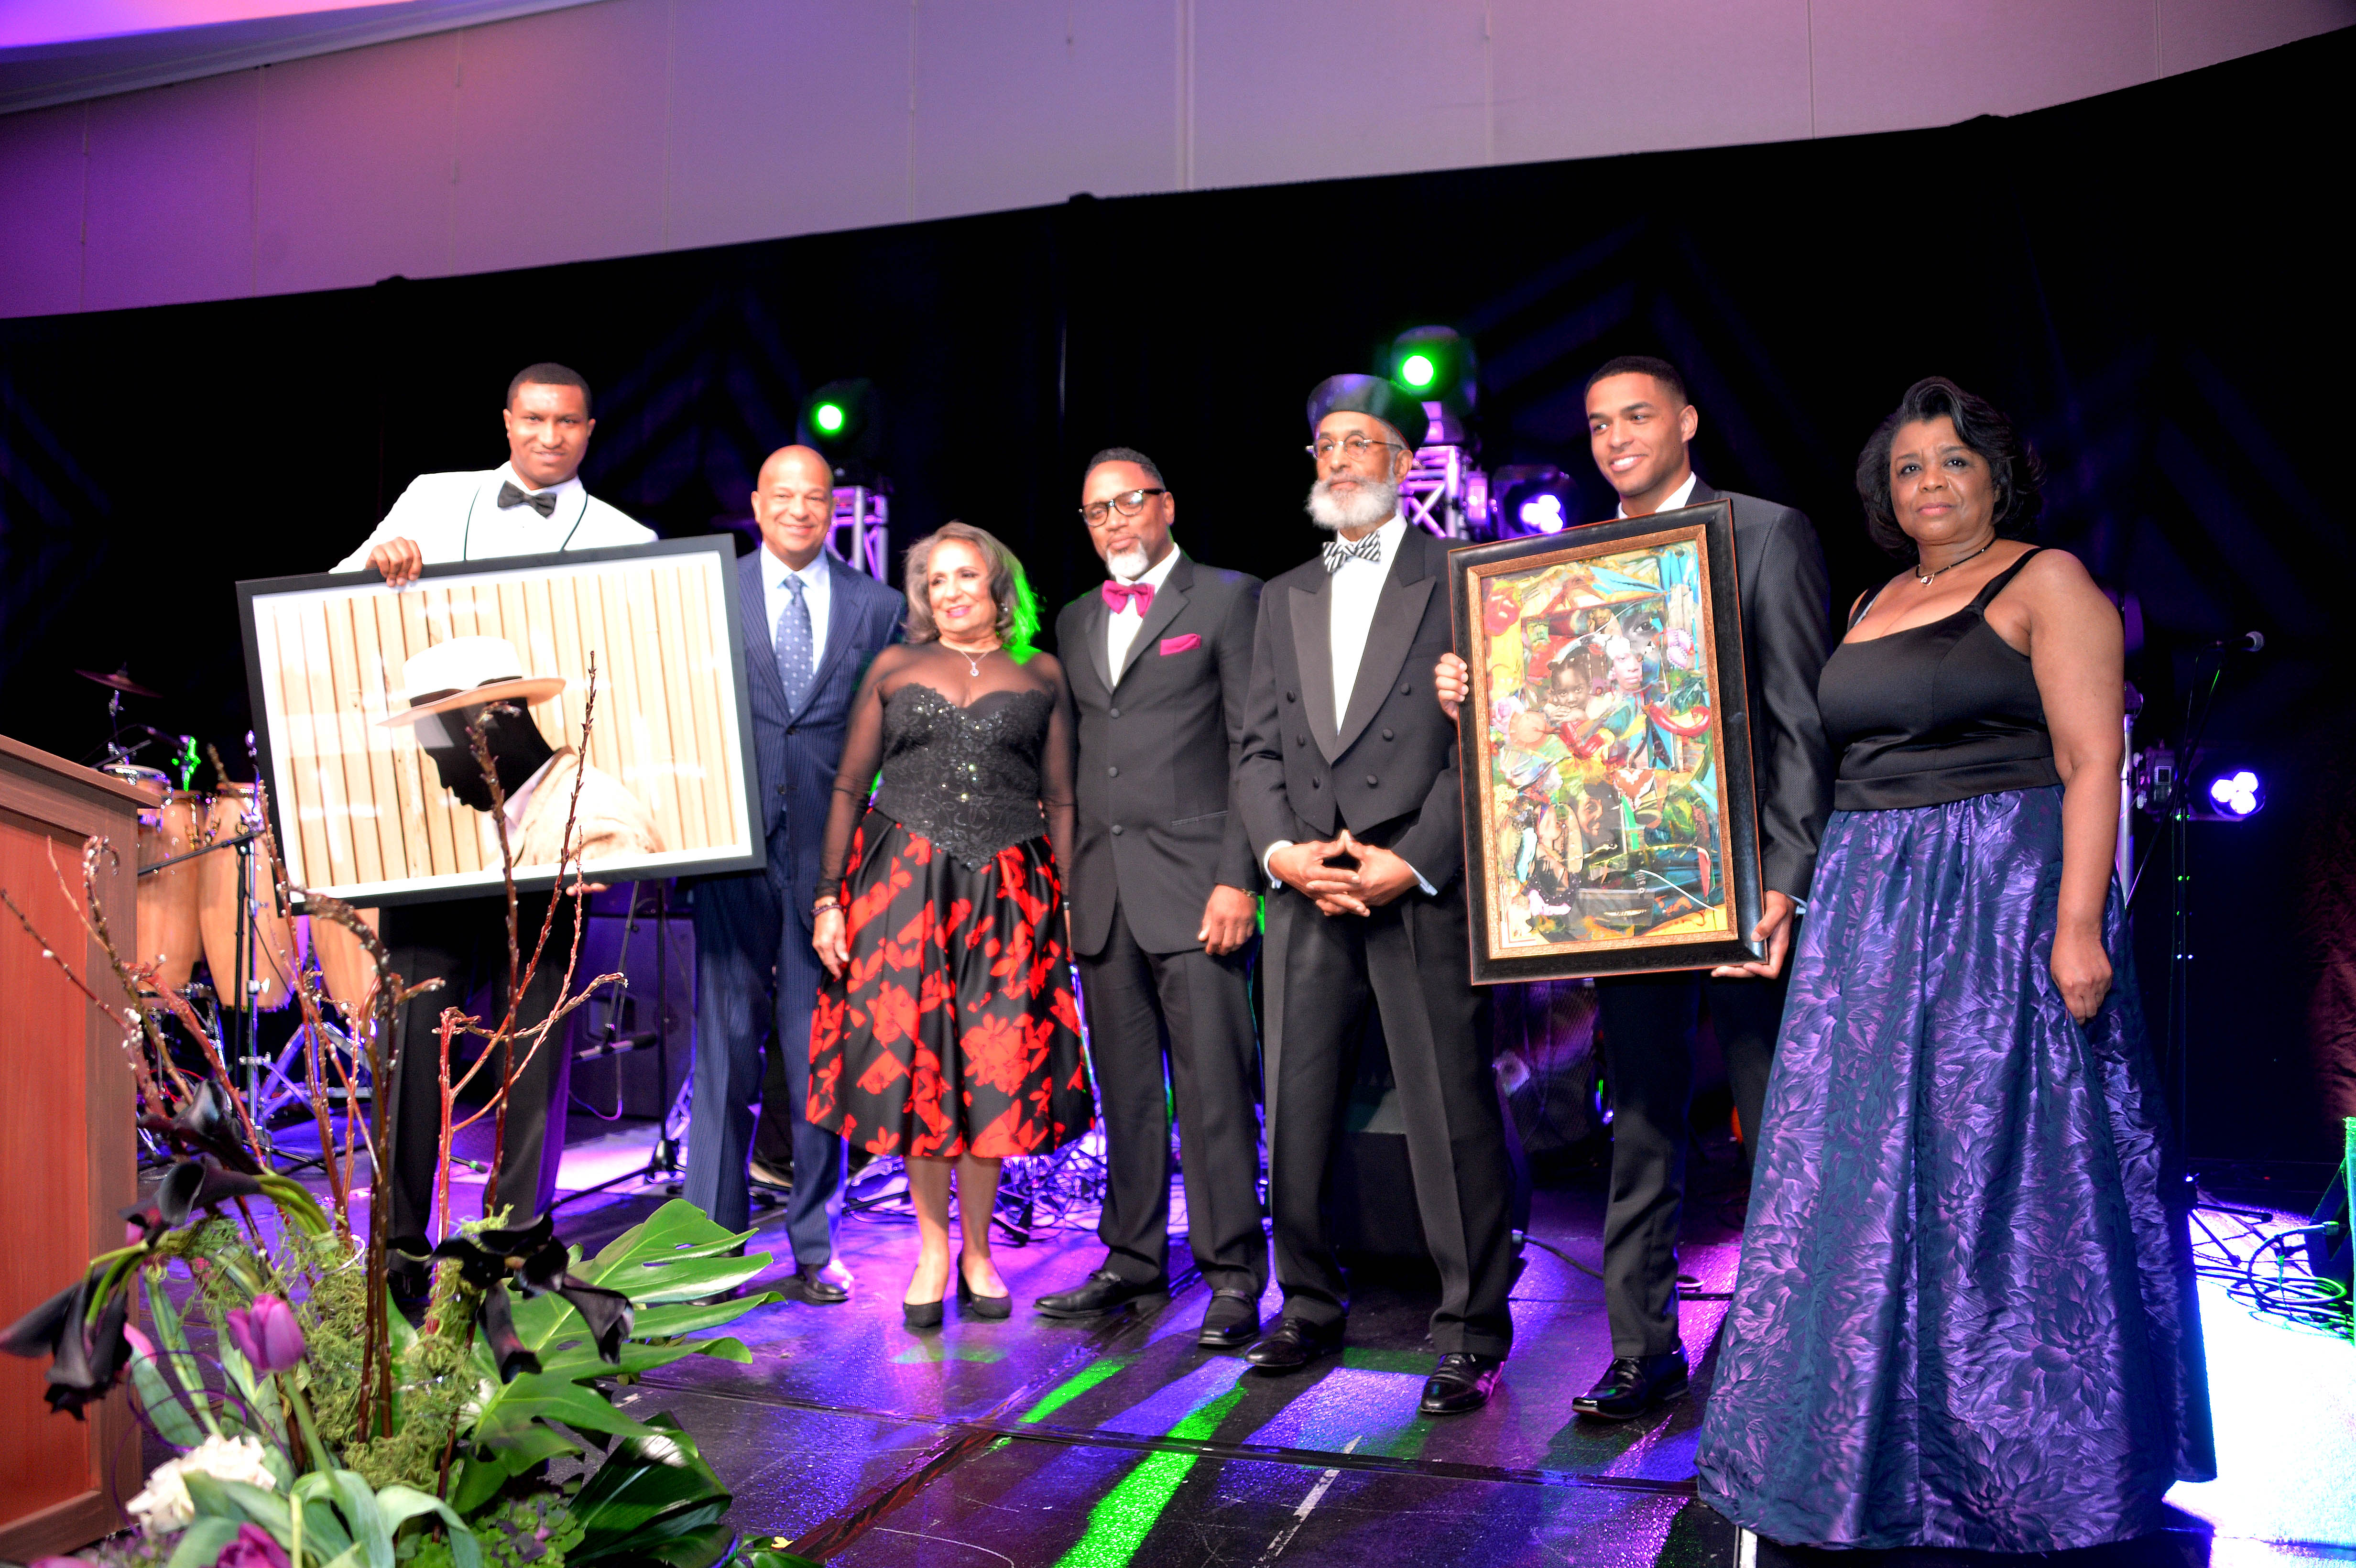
(972, 1303)
(923, 1314)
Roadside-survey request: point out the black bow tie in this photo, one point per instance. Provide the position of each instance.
(540, 501)
(1367, 549)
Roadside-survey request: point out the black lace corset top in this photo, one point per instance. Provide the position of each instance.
(966, 778)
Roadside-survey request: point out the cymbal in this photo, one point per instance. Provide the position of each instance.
(120, 680)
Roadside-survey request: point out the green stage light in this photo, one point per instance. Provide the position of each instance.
(1418, 370)
(827, 417)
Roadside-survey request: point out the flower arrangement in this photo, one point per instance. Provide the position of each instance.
(321, 1429)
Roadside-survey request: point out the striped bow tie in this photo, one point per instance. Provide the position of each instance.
(1367, 549)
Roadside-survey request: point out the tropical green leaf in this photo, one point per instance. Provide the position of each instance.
(214, 1497)
(687, 1281)
(402, 1504)
(668, 1321)
(536, 1396)
(201, 1543)
(172, 1338)
(323, 1529)
(484, 1474)
(703, 1548)
(371, 1532)
(649, 1490)
(162, 1404)
(677, 1230)
(581, 1361)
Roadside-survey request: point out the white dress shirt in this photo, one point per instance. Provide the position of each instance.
(1356, 589)
(457, 517)
(1122, 625)
(1679, 496)
(818, 593)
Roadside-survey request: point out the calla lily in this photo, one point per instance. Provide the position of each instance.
(266, 1334)
(540, 1264)
(498, 1327)
(203, 1126)
(85, 1357)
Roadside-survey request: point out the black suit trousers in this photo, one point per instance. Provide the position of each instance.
(1650, 1022)
(1196, 1011)
(1408, 959)
(464, 943)
(756, 981)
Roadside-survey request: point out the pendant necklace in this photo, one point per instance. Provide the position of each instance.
(972, 661)
(1920, 577)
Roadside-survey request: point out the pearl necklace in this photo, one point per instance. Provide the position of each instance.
(1925, 580)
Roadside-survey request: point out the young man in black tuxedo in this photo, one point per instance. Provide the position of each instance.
(1162, 900)
(1348, 786)
(1640, 422)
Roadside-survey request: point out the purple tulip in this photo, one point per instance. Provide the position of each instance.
(266, 1335)
(253, 1548)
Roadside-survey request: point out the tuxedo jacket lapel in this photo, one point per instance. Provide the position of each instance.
(1092, 614)
(1313, 650)
(1166, 605)
(1398, 612)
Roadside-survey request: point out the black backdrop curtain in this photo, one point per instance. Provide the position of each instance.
(2137, 277)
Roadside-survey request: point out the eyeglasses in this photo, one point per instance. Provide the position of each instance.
(1129, 503)
(1355, 445)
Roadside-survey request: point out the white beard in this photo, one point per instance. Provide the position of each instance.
(1128, 565)
(1370, 507)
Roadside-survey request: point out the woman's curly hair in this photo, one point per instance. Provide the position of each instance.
(1980, 425)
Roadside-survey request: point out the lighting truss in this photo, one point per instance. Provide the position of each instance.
(861, 534)
(1445, 492)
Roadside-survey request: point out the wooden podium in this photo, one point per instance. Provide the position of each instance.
(68, 1151)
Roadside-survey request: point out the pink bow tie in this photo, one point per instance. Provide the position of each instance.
(1117, 594)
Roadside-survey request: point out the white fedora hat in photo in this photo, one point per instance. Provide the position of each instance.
(465, 672)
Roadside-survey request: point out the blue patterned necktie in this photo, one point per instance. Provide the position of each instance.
(794, 645)
(1367, 549)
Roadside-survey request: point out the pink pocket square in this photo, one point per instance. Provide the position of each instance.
(1180, 645)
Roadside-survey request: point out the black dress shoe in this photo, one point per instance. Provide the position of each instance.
(1231, 1322)
(1635, 1385)
(1295, 1344)
(821, 1285)
(1099, 1293)
(1461, 1382)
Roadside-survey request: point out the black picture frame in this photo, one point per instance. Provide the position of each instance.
(747, 849)
(1547, 798)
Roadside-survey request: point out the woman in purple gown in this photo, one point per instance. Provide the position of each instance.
(1965, 1316)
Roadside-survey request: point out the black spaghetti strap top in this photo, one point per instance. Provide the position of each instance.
(1934, 713)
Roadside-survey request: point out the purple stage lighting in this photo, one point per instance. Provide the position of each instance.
(2237, 794)
(1542, 513)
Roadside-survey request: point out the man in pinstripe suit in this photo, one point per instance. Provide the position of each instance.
(814, 623)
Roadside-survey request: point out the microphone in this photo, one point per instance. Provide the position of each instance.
(2247, 643)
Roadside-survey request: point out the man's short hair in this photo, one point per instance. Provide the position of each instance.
(548, 373)
(1128, 454)
(1659, 369)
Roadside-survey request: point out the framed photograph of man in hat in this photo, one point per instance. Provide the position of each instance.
(363, 698)
(1608, 820)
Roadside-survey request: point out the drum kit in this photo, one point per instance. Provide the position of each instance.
(204, 896)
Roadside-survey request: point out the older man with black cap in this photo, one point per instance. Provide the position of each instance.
(1348, 788)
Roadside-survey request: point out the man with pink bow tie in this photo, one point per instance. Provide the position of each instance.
(1163, 901)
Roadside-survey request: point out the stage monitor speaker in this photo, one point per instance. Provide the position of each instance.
(1371, 1207)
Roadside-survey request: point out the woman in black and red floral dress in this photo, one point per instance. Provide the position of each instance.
(948, 1034)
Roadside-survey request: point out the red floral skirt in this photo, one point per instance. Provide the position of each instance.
(952, 1031)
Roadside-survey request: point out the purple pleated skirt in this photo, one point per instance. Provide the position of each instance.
(1965, 1316)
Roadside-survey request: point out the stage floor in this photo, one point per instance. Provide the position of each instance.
(1034, 1443)
(1044, 1444)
